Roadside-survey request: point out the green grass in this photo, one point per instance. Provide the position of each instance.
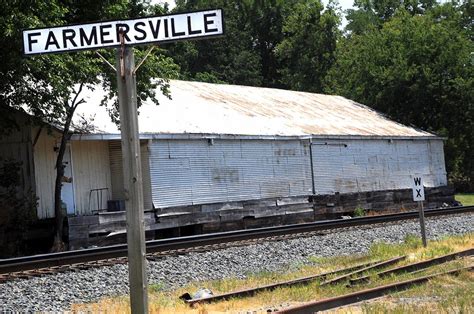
(359, 212)
(447, 294)
(466, 199)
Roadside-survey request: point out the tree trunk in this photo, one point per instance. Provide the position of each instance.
(58, 244)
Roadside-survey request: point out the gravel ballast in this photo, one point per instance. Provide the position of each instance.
(57, 292)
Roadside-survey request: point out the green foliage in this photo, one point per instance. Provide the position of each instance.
(273, 43)
(157, 287)
(50, 86)
(411, 59)
(359, 211)
(382, 250)
(17, 208)
(154, 73)
(14, 198)
(371, 14)
(46, 83)
(413, 242)
(307, 51)
(231, 58)
(418, 69)
(207, 77)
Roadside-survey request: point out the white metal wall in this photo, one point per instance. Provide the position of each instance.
(116, 170)
(347, 166)
(185, 172)
(45, 172)
(90, 161)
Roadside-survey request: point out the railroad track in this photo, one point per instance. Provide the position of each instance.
(366, 294)
(349, 276)
(39, 265)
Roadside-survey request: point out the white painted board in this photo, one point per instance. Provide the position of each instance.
(166, 28)
(418, 189)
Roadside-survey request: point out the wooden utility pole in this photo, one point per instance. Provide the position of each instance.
(133, 183)
(422, 223)
(191, 25)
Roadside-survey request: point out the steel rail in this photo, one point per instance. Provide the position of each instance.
(346, 277)
(252, 291)
(415, 266)
(116, 251)
(335, 302)
(347, 274)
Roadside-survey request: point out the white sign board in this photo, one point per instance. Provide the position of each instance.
(418, 189)
(136, 32)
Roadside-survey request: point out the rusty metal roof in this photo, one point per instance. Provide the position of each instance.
(204, 108)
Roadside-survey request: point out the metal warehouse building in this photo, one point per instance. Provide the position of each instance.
(218, 156)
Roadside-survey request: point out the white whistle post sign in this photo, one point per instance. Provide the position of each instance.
(418, 189)
(419, 196)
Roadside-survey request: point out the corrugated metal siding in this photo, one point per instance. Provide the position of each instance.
(144, 156)
(116, 170)
(45, 172)
(185, 172)
(368, 165)
(116, 173)
(90, 160)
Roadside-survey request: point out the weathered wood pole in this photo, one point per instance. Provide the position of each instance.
(133, 183)
(422, 223)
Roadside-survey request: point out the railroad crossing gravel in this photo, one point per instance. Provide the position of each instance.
(57, 292)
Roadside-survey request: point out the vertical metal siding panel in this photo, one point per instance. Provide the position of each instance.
(45, 173)
(116, 172)
(198, 172)
(161, 167)
(368, 165)
(232, 170)
(326, 167)
(207, 171)
(147, 203)
(90, 171)
(170, 181)
(438, 163)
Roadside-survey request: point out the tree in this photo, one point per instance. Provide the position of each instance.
(230, 59)
(50, 85)
(261, 43)
(373, 13)
(266, 19)
(418, 69)
(307, 50)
